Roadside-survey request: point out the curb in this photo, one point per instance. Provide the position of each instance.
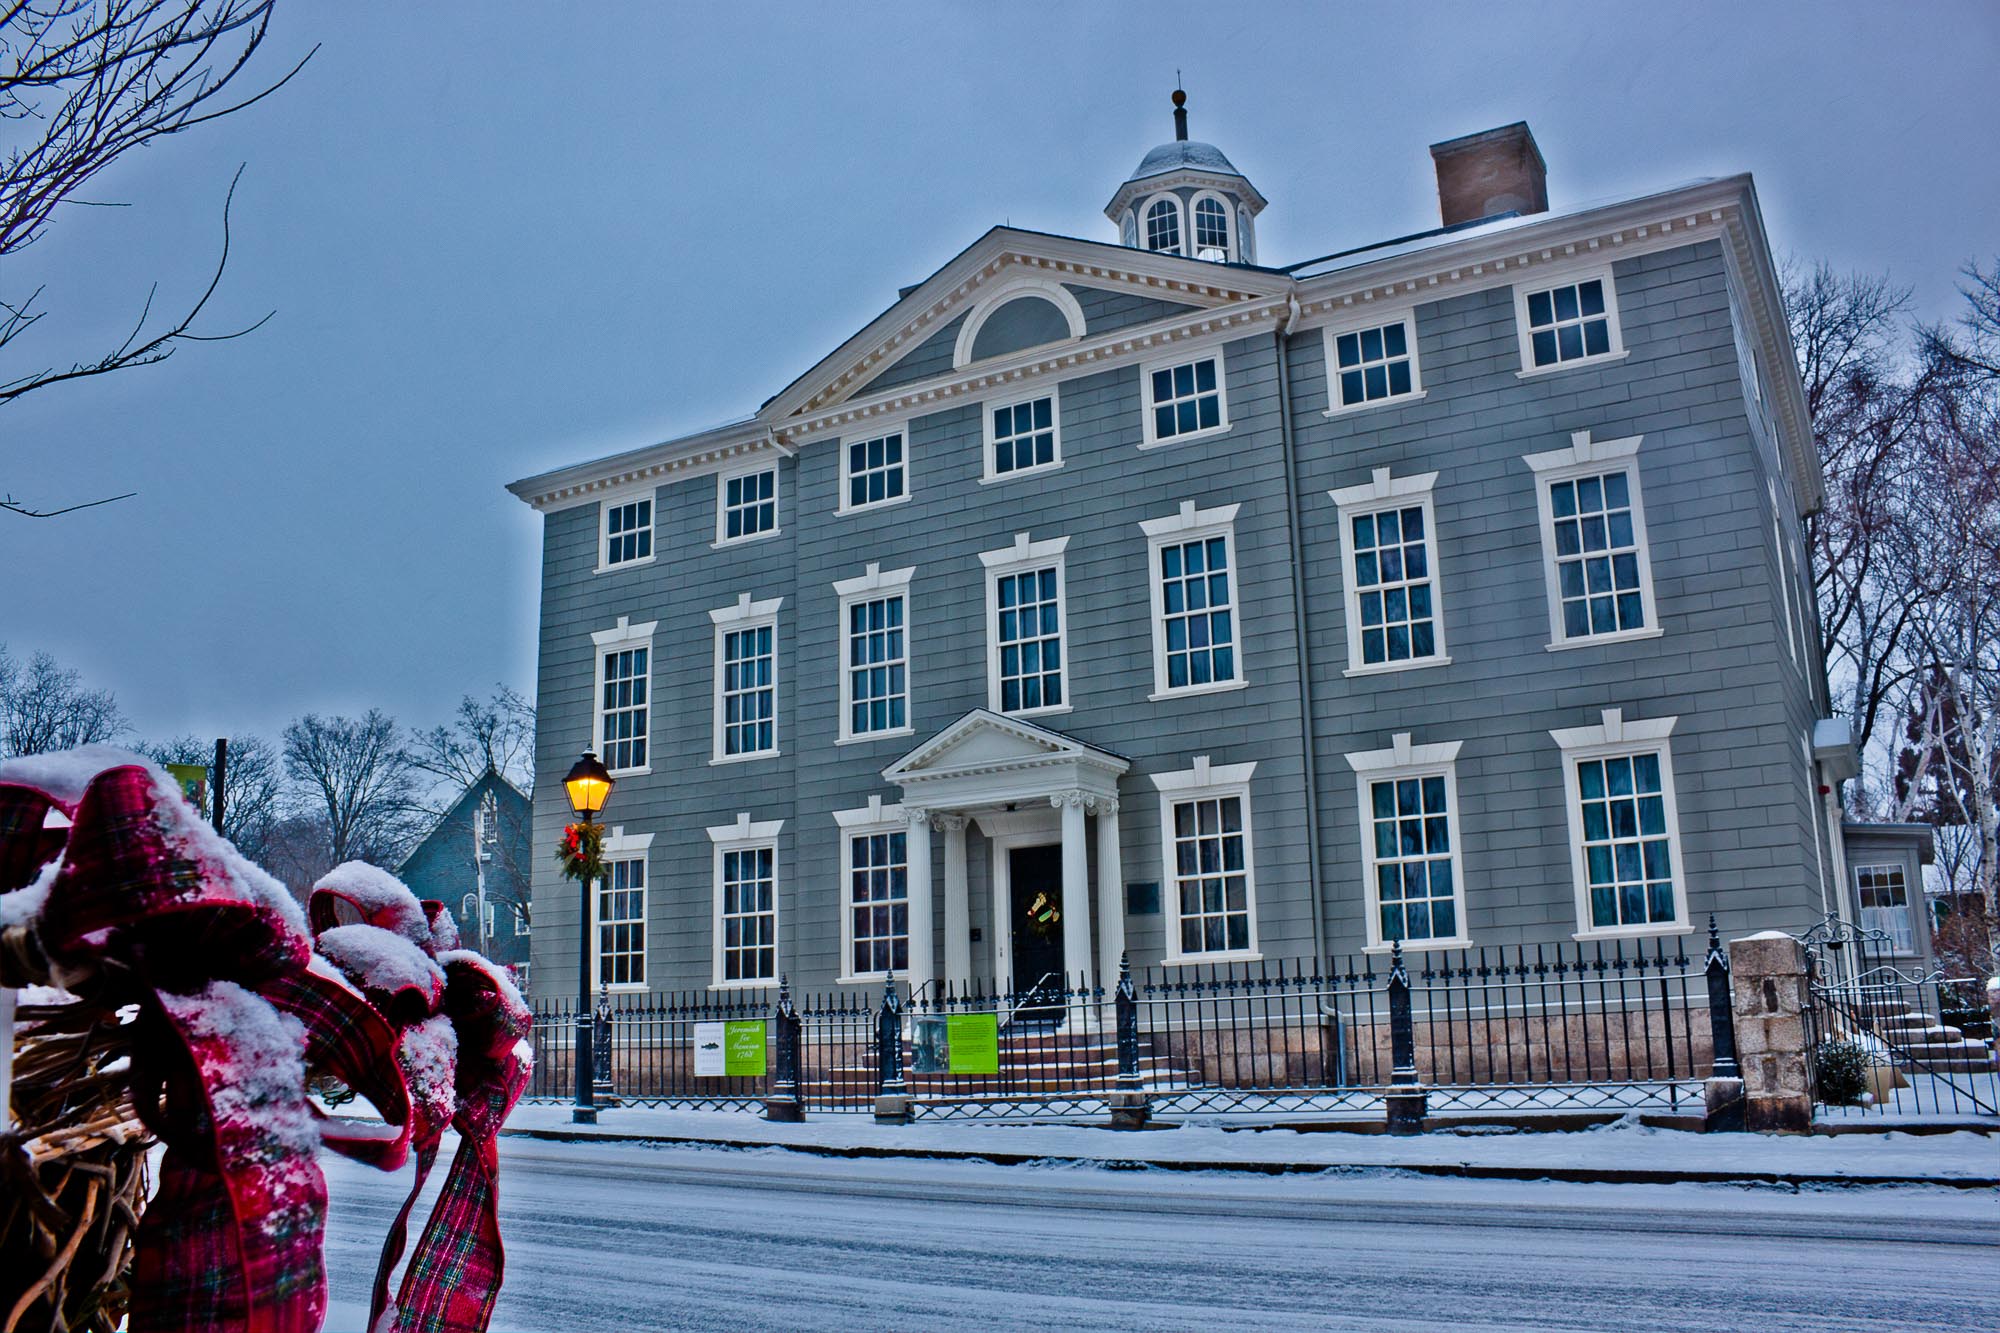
(1461, 1170)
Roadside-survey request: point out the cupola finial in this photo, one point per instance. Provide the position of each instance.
(1180, 115)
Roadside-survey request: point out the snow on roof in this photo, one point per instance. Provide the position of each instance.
(1179, 154)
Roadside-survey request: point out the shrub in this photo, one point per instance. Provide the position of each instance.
(1840, 1071)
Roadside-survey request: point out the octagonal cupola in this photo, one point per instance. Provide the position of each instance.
(1186, 198)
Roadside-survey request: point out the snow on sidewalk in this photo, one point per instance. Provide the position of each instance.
(1624, 1150)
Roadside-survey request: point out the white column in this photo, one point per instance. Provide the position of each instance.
(919, 883)
(1075, 888)
(1110, 895)
(957, 903)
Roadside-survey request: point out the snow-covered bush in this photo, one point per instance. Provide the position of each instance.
(1840, 1071)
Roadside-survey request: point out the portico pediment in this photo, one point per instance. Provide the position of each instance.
(986, 759)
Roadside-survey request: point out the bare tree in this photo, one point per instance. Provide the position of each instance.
(84, 82)
(252, 790)
(353, 775)
(44, 707)
(496, 734)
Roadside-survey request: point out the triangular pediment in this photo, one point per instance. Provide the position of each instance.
(1005, 256)
(987, 740)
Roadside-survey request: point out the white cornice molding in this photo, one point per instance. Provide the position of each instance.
(1024, 552)
(873, 815)
(1186, 178)
(874, 580)
(1613, 729)
(1380, 487)
(1204, 775)
(1401, 754)
(624, 632)
(1584, 452)
(1190, 519)
(744, 830)
(746, 610)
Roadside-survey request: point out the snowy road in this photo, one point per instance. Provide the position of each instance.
(631, 1237)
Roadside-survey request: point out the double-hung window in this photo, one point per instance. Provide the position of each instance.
(746, 902)
(1022, 437)
(1410, 847)
(1395, 617)
(1211, 226)
(873, 470)
(1618, 785)
(1595, 558)
(1025, 631)
(1206, 839)
(623, 705)
(875, 891)
(625, 533)
(875, 654)
(1570, 323)
(746, 505)
(1163, 225)
(1196, 634)
(621, 911)
(1185, 399)
(1885, 904)
(1370, 364)
(746, 679)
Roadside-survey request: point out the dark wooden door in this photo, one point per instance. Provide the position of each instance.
(1035, 877)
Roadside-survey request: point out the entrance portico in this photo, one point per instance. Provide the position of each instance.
(1025, 786)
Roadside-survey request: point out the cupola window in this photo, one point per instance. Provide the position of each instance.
(1163, 226)
(1211, 228)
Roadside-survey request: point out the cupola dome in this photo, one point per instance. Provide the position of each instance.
(1187, 198)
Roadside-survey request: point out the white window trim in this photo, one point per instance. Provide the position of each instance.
(745, 614)
(875, 431)
(1909, 908)
(992, 298)
(1544, 282)
(1022, 556)
(1229, 249)
(875, 817)
(1781, 551)
(621, 636)
(1371, 319)
(1613, 735)
(722, 480)
(1182, 357)
(622, 846)
(611, 500)
(1585, 456)
(867, 587)
(1378, 494)
(1185, 526)
(1128, 230)
(1404, 760)
(1180, 213)
(1206, 781)
(743, 836)
(987, 475)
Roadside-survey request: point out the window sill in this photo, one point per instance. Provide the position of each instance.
(744, 758)
(603, 568)
(1662, 928)
(865, 979)
(873, 505)
(622, 988)
(1190, 691)
(1390, 668)
(1051, 711)
(742, 985)
(723, 543)
(630, 772)
(1397, 400)
(1196, 959)
(1592, 640)
(865, 737)
(1191, 437)
(1422, 946)
(996, 478)
(1536, 372)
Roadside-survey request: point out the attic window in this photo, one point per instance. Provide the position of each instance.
(1024, 322)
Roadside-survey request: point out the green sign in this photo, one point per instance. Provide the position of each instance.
(972, 1043)
(743, 1047)
(193, 780)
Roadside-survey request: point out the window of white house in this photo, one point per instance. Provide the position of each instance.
(1024, 626)
(621, 912)
(1598, 569)
(875, 654)
(746, 679)
(749, 505)
(1184, 399)
(746, 901)
(1885, 904)
(521, 924)
(1409, 796)
(1371, 365)
(1211, 225)
(1022, 437)
(878, 902)
(1195, 638)
(624, 690)
(1206, 840)
(1246, 243)
(1624, 831)
(1568, 324)
(627, 534)
(1163, 225)
(1128, 229)
(1393, 615)
(873, 471)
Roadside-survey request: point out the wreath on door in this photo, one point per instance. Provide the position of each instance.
(1044, 915)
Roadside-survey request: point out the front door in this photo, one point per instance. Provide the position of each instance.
(1034, 878)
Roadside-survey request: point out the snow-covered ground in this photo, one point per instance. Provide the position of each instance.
(628, 1236)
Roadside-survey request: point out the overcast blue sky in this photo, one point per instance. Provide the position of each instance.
(502, 237)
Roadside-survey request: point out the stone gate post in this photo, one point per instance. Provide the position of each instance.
(1767, 974)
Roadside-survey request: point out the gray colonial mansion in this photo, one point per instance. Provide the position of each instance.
(1156, 595)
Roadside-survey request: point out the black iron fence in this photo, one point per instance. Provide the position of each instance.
(1620, 1025)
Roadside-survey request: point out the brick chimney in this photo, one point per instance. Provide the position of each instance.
(1494, 171)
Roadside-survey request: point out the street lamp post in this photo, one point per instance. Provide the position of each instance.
(588, 786)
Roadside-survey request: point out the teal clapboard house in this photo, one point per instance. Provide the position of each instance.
(1158, 595)
(480, 851)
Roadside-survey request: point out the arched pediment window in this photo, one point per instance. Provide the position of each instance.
(1023, 314)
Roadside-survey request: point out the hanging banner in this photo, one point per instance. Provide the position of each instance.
(734, 1049)
(193, 780)
(972, 1043)
(708, 1057)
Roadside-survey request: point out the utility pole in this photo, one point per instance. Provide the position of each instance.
(220, 779)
